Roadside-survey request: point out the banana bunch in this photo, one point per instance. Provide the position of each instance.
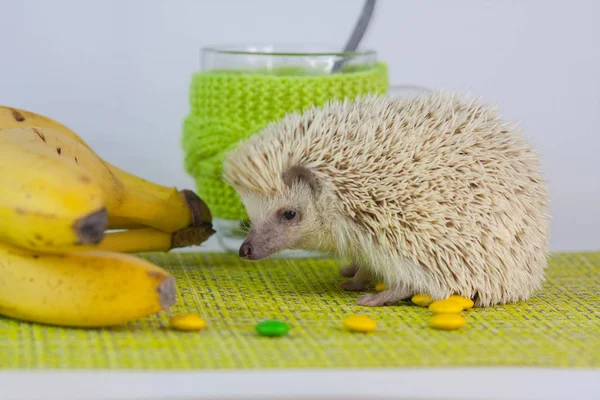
(58, 263)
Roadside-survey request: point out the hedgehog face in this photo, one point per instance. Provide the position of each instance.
(286, 220)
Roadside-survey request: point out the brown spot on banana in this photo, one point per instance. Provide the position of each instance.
(90, 229)
(40, 134)
(17, 115)
(38, 237)
(58, 150)
(167, 292)
(21, 211)
(76, 161)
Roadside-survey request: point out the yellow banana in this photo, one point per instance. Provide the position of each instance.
(123, 223)
(140, 184)
(147, 239)
(89, 289)
(200, 213)
(11, 117)
(16, 118)
(168, 215)
(45, 203)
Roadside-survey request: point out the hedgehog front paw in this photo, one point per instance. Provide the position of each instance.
(385, 298)
(353, 285)
(349, 270)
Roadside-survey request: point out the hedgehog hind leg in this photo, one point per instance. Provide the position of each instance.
(358, 281)
(385, 298)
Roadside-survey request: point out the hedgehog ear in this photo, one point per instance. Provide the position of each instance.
(299, 174)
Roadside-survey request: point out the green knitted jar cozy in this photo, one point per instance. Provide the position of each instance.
(229, 106)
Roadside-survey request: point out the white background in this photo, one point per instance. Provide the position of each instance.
(117, 72)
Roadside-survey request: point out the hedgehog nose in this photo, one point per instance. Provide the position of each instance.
(246, 250)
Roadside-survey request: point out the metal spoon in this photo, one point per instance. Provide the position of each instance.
(358, 33)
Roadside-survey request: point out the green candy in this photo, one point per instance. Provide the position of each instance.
(272, 328)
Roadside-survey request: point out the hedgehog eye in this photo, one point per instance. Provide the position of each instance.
(289, 215)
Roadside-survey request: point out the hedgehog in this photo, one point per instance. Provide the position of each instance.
(434, 194)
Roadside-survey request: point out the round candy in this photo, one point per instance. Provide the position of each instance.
(360, 323)
(447, 321)
(422, 300)
(272, 328)
(380, 287)
(445, 307)
(187, 322)
(463, 301)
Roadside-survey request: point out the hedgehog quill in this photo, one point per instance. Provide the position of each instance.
(432, 195)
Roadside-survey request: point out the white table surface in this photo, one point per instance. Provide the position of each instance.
(453, 383)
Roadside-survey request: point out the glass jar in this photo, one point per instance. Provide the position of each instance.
(240, 89)
(284, 60)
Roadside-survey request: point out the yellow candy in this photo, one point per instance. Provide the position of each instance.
(447, 321)
(463, 301)
(422, 300)
(380, 287)
(360, 323)
(445, 307)
(187, 322)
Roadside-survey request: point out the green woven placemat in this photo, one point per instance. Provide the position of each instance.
(559, 327)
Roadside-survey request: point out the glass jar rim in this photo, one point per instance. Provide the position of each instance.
(284, 49)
